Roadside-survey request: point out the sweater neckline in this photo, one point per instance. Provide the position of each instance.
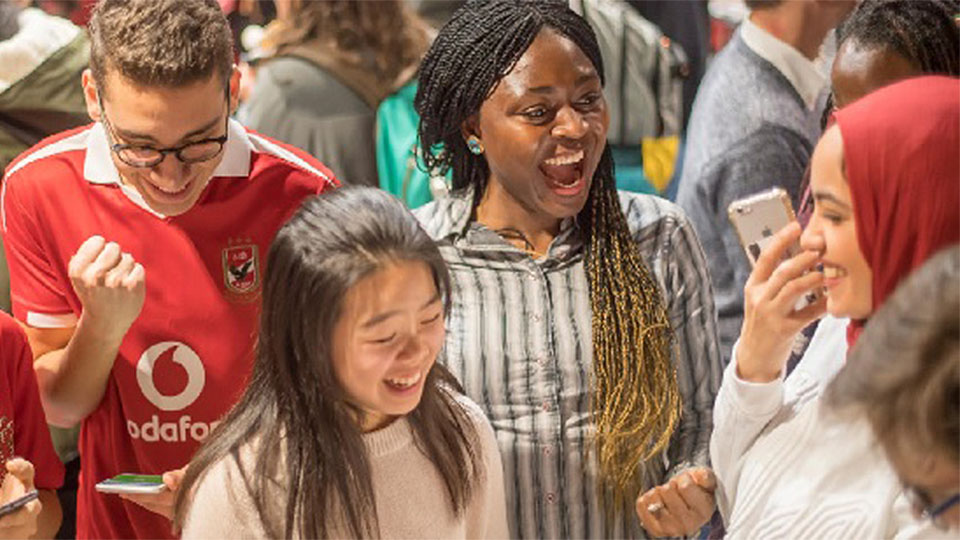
(390, 439)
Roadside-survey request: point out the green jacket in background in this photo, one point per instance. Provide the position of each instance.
(38, 102)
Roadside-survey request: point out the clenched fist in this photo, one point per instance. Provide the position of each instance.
(110, 285)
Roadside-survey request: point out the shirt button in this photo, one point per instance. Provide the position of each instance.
(545, 406)
(542, 361)
(537, 317)
(546, 450)
(551, 498)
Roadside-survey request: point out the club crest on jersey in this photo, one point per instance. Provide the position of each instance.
(241, 268)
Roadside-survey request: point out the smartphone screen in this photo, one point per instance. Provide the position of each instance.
(133, 483)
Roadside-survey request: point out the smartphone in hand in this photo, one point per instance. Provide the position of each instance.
(757, 219)
(133, 483)
(19, 502)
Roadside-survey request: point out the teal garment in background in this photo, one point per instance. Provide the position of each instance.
(397, 145)
(628, 168)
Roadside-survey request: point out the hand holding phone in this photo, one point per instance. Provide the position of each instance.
(156, 493)
(20, 510)
(770, 319)
(18, 503)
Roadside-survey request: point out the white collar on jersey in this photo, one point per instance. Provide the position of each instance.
(98, 167)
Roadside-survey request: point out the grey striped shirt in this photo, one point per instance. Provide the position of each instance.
(519, 339)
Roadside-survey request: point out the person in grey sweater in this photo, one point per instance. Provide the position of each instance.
(754, 125)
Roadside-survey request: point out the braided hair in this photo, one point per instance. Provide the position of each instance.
(921, 31)
(635, 400)
(924, 32)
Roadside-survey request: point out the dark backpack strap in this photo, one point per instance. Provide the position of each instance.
(31, 126)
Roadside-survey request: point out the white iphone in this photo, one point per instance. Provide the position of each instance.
(757, 219)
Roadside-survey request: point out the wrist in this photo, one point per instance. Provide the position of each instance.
(753, 367)
(101, 329)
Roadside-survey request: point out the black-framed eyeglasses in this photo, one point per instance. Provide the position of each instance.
(924, 507)
(145, 156)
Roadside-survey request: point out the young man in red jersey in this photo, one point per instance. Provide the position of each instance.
(136, 249)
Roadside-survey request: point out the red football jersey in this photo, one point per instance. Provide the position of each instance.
(186, 359)
(23, 428)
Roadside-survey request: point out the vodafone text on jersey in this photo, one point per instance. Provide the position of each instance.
(153, 430)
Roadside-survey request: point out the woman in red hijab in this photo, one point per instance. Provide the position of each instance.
(886, 185)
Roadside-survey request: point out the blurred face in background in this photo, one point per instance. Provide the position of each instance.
(859, 70)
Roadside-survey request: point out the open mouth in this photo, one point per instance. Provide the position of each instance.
(832, 275)
(169, 194)
(564, 173)
(404, 383)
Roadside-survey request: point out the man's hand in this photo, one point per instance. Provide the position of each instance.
(18, 482)
(681, 506)
(110, 285)
(161, 503)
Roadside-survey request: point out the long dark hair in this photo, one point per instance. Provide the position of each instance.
(294, 413)
(635, 397)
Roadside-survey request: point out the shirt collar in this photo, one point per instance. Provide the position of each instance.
(802, 73)
(465, 232)
(98, 166)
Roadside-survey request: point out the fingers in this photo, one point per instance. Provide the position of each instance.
(108, 258)
(700, 501)
(681, 506)
(110, 285)
(127, 274)
(771, 255)
(115, 277)
(86, 254)
(789, 271)
(655, 516)
(135, 278)
(23, 471)
(682, 513)
(798, 285)
(812, 312)
(172, 479)
(23, 522)
(99, 262)
(704, 478)
(160, 503)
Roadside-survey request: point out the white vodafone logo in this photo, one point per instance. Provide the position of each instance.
(188, 359)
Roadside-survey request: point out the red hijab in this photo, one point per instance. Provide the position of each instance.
(901, 148)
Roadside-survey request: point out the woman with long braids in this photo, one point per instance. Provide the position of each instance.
(582, 319)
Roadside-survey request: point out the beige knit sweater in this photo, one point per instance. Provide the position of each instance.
(410, 496)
